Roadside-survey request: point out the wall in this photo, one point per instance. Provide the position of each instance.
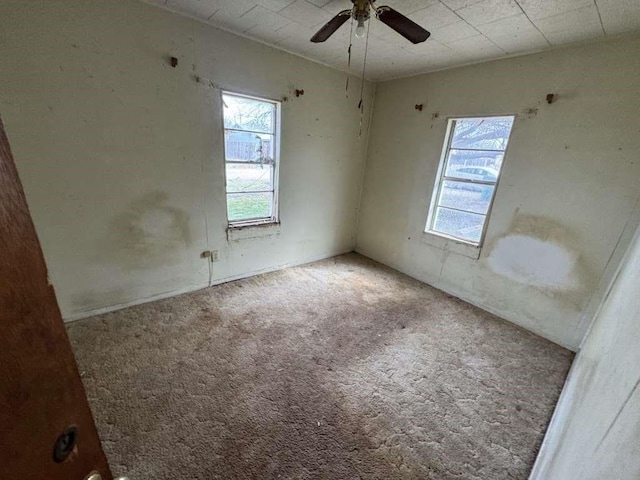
(595, 431)
(568, 187)
(121, 155)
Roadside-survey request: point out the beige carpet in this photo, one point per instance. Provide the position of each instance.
(341, 369)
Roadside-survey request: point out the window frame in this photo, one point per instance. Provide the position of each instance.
(441, 178)
(275, 217)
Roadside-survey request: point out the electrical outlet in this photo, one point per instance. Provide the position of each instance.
(214, 256)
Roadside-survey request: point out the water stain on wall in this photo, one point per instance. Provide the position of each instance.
(542, 253)
(148, 234)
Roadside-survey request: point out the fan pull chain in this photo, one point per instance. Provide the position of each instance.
(346, 90)
(364, 67)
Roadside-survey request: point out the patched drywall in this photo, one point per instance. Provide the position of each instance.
(534, 262)
(121, 154)
(568, 187)
(595, 431)
(541, 253)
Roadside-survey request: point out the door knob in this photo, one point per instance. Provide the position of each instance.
(65, 444)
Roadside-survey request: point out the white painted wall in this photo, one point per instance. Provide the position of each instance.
(121, 155)
(595, 431)
(569, 183)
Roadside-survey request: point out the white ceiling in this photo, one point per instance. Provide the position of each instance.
(463, 31)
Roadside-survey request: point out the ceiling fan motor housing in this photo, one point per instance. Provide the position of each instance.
(361, 12)
(361, 16)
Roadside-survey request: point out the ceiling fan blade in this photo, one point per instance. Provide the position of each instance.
(401, 24)
(331, 26)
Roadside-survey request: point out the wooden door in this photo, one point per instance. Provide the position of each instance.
(41, 395)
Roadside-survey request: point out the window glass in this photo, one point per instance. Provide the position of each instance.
(248, 114)
(250, 146)
(463, 194)
(488, 133)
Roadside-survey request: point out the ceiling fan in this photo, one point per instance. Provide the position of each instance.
(361, 12)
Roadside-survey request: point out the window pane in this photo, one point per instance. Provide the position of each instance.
(249, 178)
(472, 197)
(489, 133)
(248, 114)
(248, 147)
(248, 206)
(467, 226)
(474, 165)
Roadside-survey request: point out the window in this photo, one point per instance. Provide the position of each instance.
(469, 170)
(251, 144)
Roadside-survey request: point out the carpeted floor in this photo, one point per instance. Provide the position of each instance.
(341, 369)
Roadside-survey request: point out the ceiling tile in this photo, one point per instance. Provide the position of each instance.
(571, 26)
(408, 6)
(439, 62)
(390, 37)
(458, 4)
(194, 8)
(274, 5)
(471, 43)
(430, 48)
(536, 9)
(463, 31)
(569, 20)
(586, 32)
(476, 45)
(378, 48)
(521, 42)
(294, 29)
(405, 64)
(305, 13)
(266, 18)
(319, 3)
(619, 16)
(488, 11)
(434, 16)
(335, 6)
(453, 32)
(231, 11)
(507, 26)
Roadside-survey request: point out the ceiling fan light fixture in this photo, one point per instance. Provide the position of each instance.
(361, 30)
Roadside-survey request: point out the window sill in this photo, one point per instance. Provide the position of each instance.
(256, 230)
(450, 244)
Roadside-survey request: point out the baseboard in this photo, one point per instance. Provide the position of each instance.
(119, 306)
(181, 291)
(253, 273)
(472, 301)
